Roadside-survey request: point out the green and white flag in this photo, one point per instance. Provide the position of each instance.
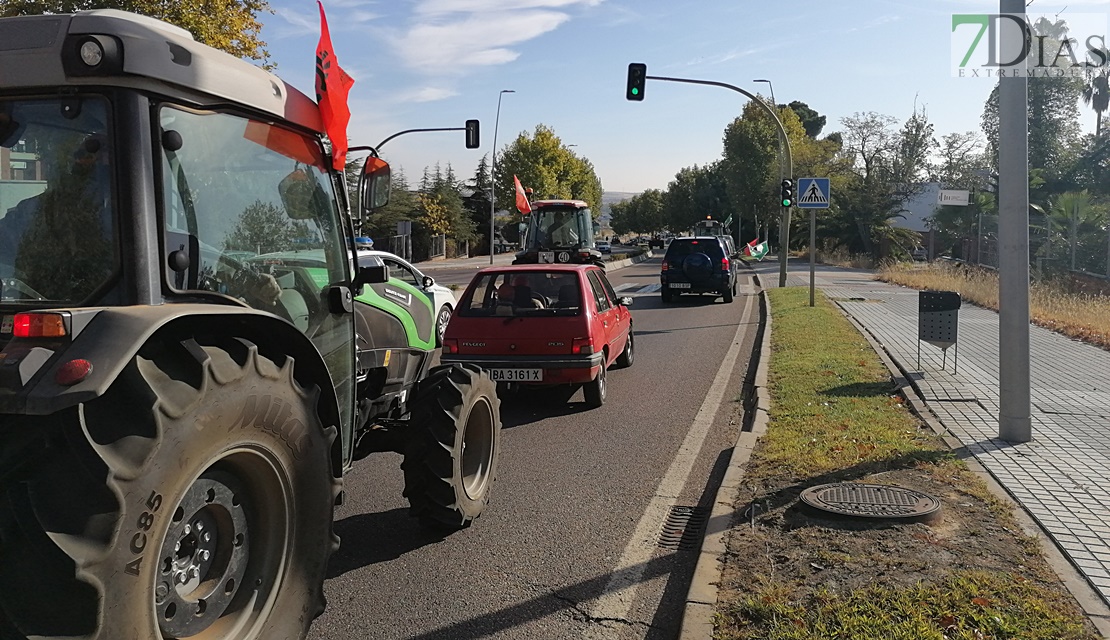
(757, 250)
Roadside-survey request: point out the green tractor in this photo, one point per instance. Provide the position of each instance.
(191, 357)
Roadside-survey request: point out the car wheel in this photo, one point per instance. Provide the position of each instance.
(727, 295)
(595, 390)
(666, 295)
(442, 318)
(628, 355)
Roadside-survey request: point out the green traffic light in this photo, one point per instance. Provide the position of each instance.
(785, 203)
(635, 91)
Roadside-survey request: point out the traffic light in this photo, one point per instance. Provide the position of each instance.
(787, 192)
(637, 76)
(472, 139)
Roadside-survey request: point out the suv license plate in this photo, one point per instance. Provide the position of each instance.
(516, 375)
(679, 285)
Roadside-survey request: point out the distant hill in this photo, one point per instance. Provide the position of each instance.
(609, 197)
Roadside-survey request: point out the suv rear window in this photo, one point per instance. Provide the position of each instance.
(685, 246)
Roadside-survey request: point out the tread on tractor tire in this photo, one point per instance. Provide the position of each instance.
(628, 356)
(451, 460)
(595, 391)
(193, 499)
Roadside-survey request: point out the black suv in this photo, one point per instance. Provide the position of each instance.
(702, 264)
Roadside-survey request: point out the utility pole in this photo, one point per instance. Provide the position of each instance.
(1014, 420)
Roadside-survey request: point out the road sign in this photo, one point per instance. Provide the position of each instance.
(813, 193)
(953, 197)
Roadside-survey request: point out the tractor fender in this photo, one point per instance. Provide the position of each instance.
(110, 337)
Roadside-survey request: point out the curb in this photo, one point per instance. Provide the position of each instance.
(1092, 605)
(701, 599)
(628, 262)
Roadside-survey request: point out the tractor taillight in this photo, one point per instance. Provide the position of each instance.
(39, 325)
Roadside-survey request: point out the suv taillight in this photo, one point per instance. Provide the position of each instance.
(664, 266)
(724, 264)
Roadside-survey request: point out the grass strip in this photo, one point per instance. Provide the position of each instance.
(836, 416)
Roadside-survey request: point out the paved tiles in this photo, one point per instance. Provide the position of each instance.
(1062, 477)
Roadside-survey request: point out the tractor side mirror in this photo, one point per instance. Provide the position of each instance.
(373, 185)
(376, 274)
(428, 282)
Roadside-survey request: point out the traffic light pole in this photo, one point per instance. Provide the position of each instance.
(784, 230)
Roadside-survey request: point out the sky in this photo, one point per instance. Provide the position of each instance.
(437, 63)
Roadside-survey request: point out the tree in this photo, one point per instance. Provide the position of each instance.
(812, 121)
(749, 165)
(644, 212)
(1096, 95)
(541, 161)
(229, 25)
(264, 228)
(961, 163)
(884, 169)
(382, 223)
(696, 192)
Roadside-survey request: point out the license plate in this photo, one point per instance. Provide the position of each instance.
(547, 257)
(516, 375)
(679, 285)
(6, 324)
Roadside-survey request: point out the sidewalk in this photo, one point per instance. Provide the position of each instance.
(477, 262)
(1062, 477)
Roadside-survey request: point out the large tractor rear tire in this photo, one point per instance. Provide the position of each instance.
(451, 461)
(193, 500)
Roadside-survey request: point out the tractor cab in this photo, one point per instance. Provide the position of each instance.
(559, 231)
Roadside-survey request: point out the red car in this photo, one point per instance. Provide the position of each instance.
(550, 324)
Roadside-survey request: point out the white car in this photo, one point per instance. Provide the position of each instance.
(443, 299)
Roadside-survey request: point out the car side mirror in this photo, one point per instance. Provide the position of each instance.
(428, 282)
(626, 301)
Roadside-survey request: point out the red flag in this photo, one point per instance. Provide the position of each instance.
(332, 86)
(750, 246)
(522, 204)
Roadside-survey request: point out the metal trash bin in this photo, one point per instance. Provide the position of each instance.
(938, 323)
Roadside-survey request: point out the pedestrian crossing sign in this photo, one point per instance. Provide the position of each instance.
(813, 193)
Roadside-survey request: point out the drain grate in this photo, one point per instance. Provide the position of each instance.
(683, 528)
(859, 500)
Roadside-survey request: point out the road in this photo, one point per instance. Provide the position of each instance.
(571, 537)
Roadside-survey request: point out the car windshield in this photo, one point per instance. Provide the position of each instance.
(57, 226)
(523, 293)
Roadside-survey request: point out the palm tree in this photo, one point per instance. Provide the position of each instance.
(1096, 94)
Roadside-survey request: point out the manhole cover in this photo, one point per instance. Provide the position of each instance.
(872, 501)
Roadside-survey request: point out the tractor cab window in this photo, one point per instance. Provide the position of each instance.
(249, 213)
(561, 227)
(57, 216)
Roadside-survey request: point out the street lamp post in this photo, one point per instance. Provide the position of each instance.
(784, 220)
(493, 175)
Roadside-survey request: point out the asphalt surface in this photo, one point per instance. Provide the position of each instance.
(573, 485)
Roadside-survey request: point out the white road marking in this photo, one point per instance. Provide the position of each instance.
(616, 601)
(625, 286)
